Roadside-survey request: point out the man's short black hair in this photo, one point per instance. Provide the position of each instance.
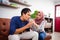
(25, 10)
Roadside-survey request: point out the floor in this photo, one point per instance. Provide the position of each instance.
(56, 36)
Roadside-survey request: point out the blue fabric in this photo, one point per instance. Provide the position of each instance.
(16, 23)
(42, 35)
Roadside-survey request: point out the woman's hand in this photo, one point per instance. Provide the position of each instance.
(36, 25)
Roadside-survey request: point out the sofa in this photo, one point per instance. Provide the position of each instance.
(4, 30)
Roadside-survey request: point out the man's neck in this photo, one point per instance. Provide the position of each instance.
(22, 18)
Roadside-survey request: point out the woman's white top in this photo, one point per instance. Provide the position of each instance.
(40, 28)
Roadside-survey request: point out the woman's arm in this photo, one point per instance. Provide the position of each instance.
(36, 25)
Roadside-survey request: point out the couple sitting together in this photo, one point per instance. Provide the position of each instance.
(22, 28)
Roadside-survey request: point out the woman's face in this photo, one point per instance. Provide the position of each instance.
(39, 16)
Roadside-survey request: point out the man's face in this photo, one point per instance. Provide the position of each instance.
(27, 15)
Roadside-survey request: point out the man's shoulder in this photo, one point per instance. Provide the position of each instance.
(15, 17)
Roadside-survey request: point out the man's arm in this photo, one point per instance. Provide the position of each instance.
(23, 28)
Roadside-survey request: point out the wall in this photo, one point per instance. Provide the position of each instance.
(6, 12)
(46, 6)
(55, 3)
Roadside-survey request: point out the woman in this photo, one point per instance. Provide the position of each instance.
(39, 22)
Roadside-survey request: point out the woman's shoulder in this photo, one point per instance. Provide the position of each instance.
(44, 21)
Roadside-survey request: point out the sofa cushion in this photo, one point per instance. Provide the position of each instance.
(4, 26)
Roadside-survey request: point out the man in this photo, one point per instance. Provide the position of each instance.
(20, 27)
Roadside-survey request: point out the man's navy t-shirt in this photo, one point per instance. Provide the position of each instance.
(16, 23)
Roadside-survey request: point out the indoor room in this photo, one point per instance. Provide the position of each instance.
(27, 10)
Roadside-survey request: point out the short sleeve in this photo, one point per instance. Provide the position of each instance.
(12, 26)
